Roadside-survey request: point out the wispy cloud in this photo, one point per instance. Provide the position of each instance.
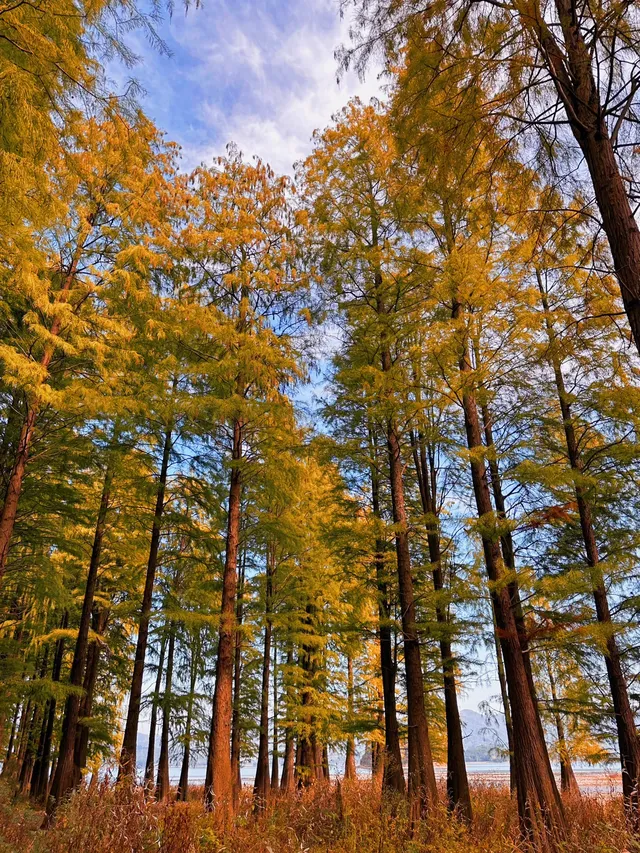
(260, 73)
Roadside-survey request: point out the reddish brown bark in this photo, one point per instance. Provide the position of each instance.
(570, 64)
(237, 684)
(287, 780)
(183, 784)
(393, 778)
(274, 752)
(129, 743)
(540, 808)
(261, 787)
(628, 741)
(150, 764)
(40, 779)
(81, 750)
(458, 796)
(219, 778)
(64, 775)
(506, 707)
(422, 781)
(162, 785)
(350, 757)
(568, 782)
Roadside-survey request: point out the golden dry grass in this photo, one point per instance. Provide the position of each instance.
(329, 818)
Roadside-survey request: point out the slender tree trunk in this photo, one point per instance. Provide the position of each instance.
(183, 784)
(237, 683)
(628, 742)
(507, 548)
(458, 796)
(40, 780)
(422, 781)
(163, 784)
(64, 778)
(262, 781)
(81, 749)
(393, 779)
(149, 769)
(287, 780)
(23, 729)
(219, 779)
(308, 761)
(579, 91)
(568, 781)
(12, 736)
(326, 773)
(274, 755)
(31, 746)
(350, 758)
(35, 783)
(34, 729)
(129, 742)
(506, 707)
(540, 808)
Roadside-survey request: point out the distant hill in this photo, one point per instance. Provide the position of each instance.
(484, 740)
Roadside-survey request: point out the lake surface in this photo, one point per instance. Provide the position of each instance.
(592, 780)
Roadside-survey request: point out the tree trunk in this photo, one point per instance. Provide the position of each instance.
(219, 779)
(40, 781)
(33, 733)
(149, 768)
(81, 749)
(129, 742)
(308, 757)
(568, 781)
(237, 683)
(326, 773)
(287, 780)
(183, 784)
(31, 746)
(422, 781)
(577, 88)
(628, 742)
(262, 781)
(350, 758)
(506, 707)
(393, 779)
(40, 773)
(12, 737)
(163, 784)
(540, 809)
(458, 796)
(64, 778)
(274, 754)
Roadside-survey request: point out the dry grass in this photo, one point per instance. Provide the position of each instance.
(326, 819)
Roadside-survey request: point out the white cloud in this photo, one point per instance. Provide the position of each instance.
(263, 83)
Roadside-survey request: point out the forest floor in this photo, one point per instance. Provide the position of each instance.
(329, 818)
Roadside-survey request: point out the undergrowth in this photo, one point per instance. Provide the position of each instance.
(328, 818)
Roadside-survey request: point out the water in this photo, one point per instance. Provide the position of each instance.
(593, 780)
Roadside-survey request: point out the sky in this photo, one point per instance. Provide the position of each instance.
(262, 74)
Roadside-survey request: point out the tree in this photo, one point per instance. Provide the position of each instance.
(552, 59)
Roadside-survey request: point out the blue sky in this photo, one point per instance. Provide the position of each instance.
(260, 73)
